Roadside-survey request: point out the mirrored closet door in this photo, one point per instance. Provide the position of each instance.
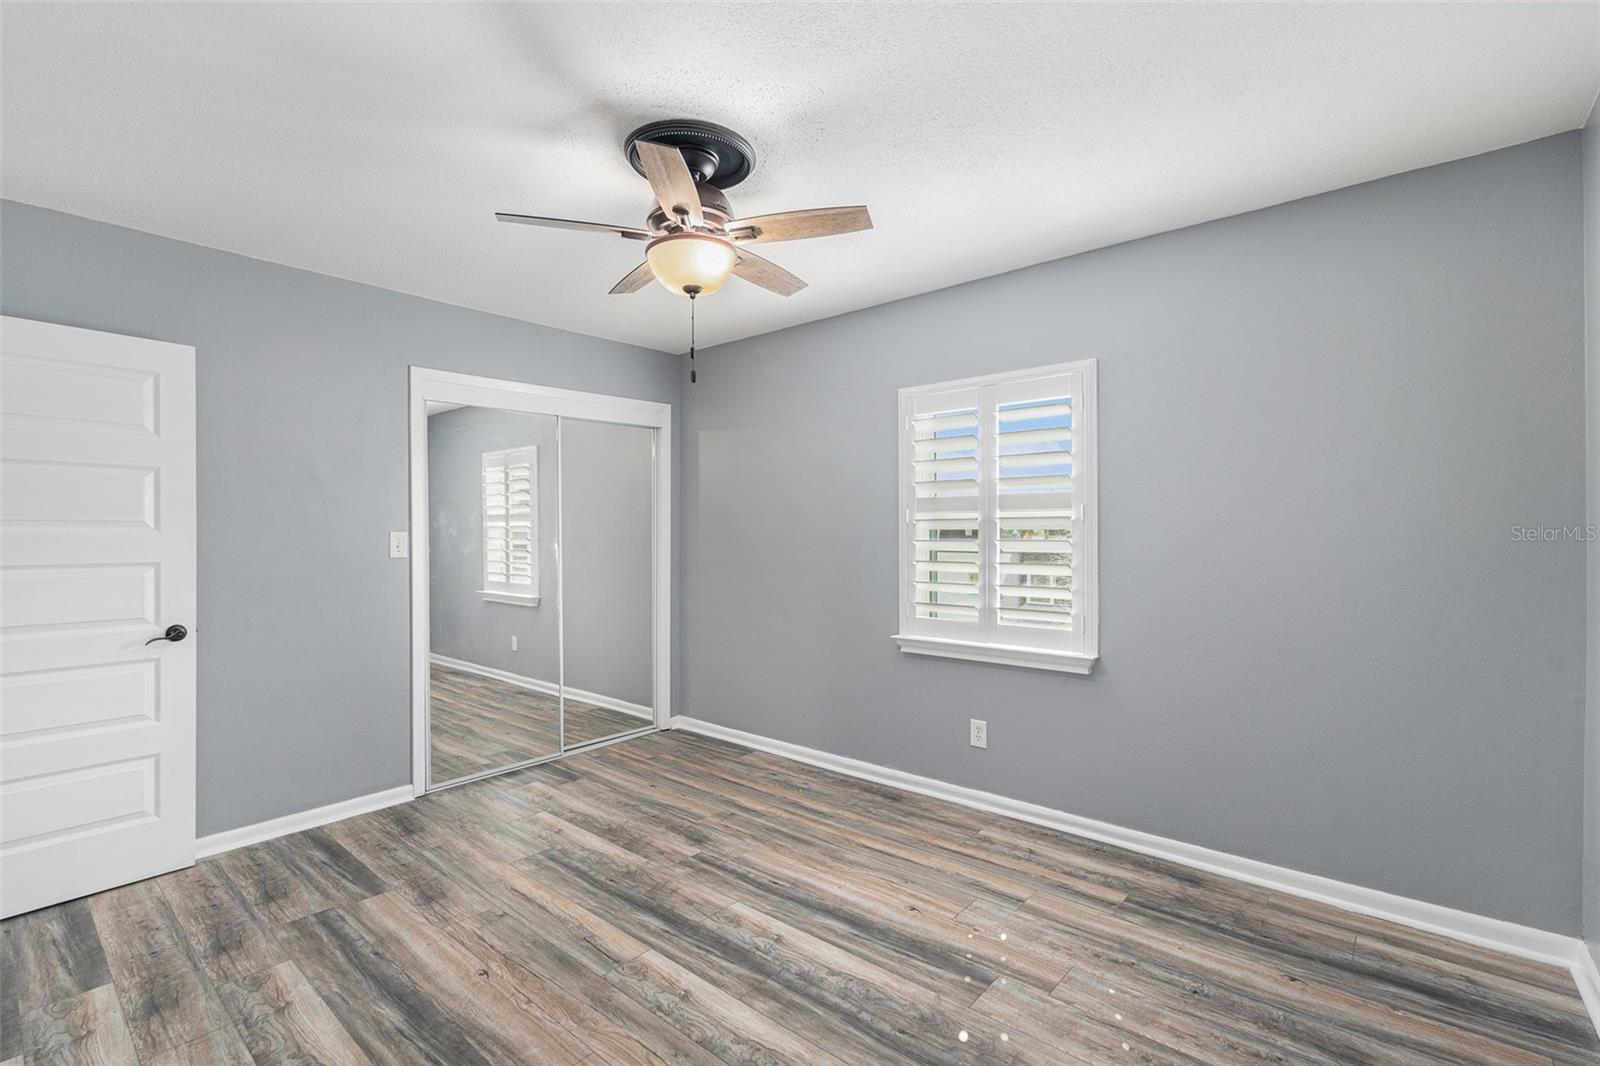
(540, 560)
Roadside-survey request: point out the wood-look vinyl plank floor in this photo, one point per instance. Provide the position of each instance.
(676, 899)
(480, 723)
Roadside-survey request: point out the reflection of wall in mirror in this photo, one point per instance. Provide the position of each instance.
(606, 483)
(608, 569)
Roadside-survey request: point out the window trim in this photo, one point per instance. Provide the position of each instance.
(1079, 659)
(493, 592)
(1066, 662)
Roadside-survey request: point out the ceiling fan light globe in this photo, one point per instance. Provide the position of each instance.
(684, 260)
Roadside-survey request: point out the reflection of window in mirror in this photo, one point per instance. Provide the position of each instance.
(511, 525)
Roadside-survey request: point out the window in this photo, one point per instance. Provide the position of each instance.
(511, 526)
(997, 546)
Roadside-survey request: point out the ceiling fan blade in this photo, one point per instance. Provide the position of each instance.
(670, 180)
(799, 225)
(634, 280)
(566, 223)
(764, 272)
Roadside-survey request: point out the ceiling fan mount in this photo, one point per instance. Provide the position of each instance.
(715, 154)
(693, 241)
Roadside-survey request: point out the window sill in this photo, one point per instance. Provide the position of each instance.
(509, 597)
(1067, 662)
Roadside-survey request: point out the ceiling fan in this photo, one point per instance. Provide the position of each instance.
(693, 241)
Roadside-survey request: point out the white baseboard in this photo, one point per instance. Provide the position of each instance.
(246, 835)
(1493, 933)
(550, 688)
(1587, 974)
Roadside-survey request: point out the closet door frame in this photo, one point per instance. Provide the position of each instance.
(444, 386)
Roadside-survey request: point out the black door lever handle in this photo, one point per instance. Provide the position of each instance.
(174, 633)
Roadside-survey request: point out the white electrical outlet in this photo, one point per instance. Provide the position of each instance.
(980, 733)
(399, 544)
(513, 643)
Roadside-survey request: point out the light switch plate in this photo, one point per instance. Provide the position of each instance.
(399, 544)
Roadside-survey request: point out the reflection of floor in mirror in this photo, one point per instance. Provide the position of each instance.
(479, 723)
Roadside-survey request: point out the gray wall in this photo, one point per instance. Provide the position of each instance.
(464, 625)
(303, 619)
(606, 541)
(1322, 646)
(1591, 777)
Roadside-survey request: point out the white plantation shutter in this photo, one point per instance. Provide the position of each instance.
(945, 511)
(998, 545)
(1033, 514)
(511, 522)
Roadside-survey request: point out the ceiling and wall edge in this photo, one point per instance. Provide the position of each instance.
(339, 278)
(707, 349)
(684, 350)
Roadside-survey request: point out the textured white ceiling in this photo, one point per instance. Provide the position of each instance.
(374, 142)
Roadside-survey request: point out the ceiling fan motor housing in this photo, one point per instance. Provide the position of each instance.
(701, 161)
(716, 155)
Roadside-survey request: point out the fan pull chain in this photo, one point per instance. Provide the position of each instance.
(693, 291)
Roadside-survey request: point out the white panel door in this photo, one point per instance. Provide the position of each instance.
(97, 557)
